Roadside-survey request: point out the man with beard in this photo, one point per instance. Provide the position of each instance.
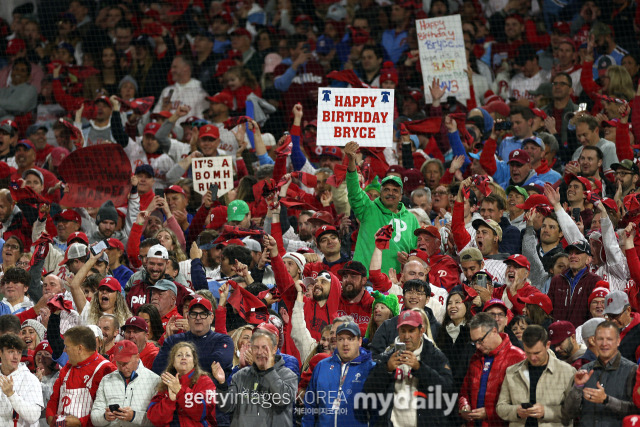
(328, 241)
(107, 221)
(627, 175)
(138, 287)
(325, 290)
(12, 220)
(588, 134)
(105, 126)
(355, 299)
(562, 336)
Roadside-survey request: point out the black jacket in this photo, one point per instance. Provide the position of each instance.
(458, 353)
(434, 371)
(388, 331)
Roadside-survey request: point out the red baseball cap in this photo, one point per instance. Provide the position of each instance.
(389, 74)
(175, 189)
(584, 181)
(533, 201)
(495, 301)
(409, 317)
(332, 152)
(427, 229)
(77, 235)
(217, 217)
(269, 328)
(68, 215)
(610, 203)
(111, 283)
(242, 32)
(221, 98)
(519, 156)
(539, 299)
(538, 112)
(210, 131)
(152, 128)
(161, 114)
(43, 346)
(201, 301)
(136, 322)
(224, 65)
(418, 254)
(124, 351)
(15, 46)
(321, 218)
(560, 331)
(521, 260)
(325, 229)
(115, 243)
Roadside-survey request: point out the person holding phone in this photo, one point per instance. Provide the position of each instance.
(549, 382)
(411, 367)
(115, 400)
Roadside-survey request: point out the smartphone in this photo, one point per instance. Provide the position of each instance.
(582, 106)
(214, 192)
(170, 94)
(575, 212)
(482, 281)
(99, 247)
(159, 192)
(503, 125)
(443, 222)
(306, 48)
(526, 405)
(401, 346)
(114, 407)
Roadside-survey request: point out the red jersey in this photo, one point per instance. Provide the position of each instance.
(76, 388)
(360, 311)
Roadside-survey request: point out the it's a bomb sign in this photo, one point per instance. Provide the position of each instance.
(361, 115)
(212, 170)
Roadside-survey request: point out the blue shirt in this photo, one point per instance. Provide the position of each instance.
(122, 273)
(486, 370)
(573, 281)
(507, 145)
(394, 44)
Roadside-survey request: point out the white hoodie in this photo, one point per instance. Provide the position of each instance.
(26, 399)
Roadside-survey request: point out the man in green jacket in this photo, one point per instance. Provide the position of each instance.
(386, 209)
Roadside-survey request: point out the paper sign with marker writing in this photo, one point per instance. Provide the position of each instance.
(442, 56)
(361, 115)
(212, 170)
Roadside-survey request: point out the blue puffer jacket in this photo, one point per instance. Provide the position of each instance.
(323, 390)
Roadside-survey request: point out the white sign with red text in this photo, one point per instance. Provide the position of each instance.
(207, 171)
(442, 56)
(361, 115)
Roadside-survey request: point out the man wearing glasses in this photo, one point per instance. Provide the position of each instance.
(627, 175)
(482, 384)
(618, 310)
(211, 346)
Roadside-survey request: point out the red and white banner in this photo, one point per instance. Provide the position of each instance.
(361, 115)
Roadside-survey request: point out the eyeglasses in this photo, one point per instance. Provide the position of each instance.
(498, 315)
(560, 84)
(481, 340)
(412, 293)
(22, 263)
(623, 173)
(199, 314)
(441, 193)
(614, 316)
(11, 246)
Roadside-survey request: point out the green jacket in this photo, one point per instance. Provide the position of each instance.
(373, 215)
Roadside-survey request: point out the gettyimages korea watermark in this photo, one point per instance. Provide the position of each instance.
(382, 402)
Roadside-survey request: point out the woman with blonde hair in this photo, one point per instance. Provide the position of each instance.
(241, 342)
(180, 382)
(169, 240)
(107, 299)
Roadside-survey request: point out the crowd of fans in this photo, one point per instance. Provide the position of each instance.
(483, 269)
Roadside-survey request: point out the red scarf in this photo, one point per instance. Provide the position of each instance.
(543, 168)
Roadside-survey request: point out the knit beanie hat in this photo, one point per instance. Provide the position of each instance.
(128, 79)
(391, 301)
(37, 326)
(107, 212)
(299, 259)
(374, 185)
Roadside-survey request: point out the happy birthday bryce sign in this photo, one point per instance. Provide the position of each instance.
(361, 115)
